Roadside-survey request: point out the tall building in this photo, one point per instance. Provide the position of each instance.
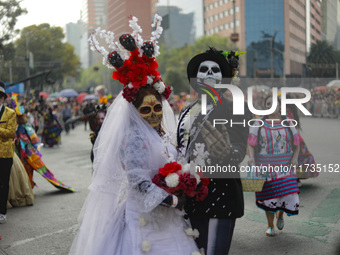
(119, 12)
(337, 39)
(331, 22)
(180, 31)
(275, 33)
(194, 7)
(219, 19)
(73, 35)
(313, 22)
(93, 15)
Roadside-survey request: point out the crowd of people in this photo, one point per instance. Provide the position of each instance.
(20, 154)
(325, 102)
(138, 145)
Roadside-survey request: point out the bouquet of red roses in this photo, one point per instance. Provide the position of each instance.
(177, 181)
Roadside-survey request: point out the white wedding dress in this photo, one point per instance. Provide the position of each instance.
(122, 214)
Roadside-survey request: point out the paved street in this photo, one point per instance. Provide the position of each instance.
(49, 226)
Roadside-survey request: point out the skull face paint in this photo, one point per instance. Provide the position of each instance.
(100, 118)
(209, 72)
(151, 110)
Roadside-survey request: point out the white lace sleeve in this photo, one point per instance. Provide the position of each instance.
(136, 156)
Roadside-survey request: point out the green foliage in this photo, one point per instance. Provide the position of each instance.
(320, 54)
(173, 63)
(96, 75)
(91, 77)
(49, 52)
(10, 10)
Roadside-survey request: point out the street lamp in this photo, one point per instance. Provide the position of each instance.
(234, 21)
(28, 56)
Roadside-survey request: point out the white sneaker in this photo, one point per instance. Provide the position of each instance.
(2, 218)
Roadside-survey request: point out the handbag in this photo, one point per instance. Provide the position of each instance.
(306, 160)
(254, 181)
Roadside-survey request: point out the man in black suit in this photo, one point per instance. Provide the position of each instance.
(215, 216)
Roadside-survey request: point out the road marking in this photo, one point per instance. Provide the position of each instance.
(70, 229)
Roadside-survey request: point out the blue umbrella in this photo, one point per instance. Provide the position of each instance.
(68, 93)
(90, 97)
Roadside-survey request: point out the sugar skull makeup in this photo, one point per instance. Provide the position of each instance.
(151, 110)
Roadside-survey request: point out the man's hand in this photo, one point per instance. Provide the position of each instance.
(218, 143)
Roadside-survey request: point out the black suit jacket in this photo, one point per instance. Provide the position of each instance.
(225, 198)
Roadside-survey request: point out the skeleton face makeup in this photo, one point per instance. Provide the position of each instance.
(100, 118)
(209, 72)
(151, 110)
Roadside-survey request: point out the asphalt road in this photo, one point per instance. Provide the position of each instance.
(50, 225)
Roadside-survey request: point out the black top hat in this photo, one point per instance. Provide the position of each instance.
(213, 55)
(2, 89)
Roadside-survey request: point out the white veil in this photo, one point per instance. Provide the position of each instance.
(103, 212)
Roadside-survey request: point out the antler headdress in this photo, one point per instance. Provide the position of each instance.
(133, 58)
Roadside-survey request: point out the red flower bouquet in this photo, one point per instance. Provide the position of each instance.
(177, 181)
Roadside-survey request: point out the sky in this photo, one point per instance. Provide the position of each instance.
(54, 12)
(61, 12)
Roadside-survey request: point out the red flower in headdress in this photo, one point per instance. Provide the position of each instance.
(136, 70)
(167, 92)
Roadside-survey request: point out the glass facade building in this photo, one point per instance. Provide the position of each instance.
(264, 26)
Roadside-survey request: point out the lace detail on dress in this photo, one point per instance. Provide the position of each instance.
(136, 157)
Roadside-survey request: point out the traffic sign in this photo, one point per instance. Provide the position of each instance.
(234, 37)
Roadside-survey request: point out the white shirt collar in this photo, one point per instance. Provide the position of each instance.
(1, 105)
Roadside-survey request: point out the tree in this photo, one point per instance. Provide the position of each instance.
(321, 54)
(49, 53)
(10, 10)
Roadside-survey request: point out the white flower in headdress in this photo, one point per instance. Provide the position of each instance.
(150, 80)
(146, 246)
(159, 86)
(172, 180)
(135, 27)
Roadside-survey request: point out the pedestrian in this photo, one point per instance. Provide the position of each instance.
(52, 129)
(88, 109)
(215, 217)
(274, 148)
(67, 114)
(125, 212)
(7, 134)
(96, 122)
(27, 143)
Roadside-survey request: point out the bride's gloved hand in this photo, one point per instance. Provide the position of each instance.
(174, 201)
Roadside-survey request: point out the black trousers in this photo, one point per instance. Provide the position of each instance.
(215, 234)
(5, 172)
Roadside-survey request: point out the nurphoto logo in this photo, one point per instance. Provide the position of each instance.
(239, 100)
